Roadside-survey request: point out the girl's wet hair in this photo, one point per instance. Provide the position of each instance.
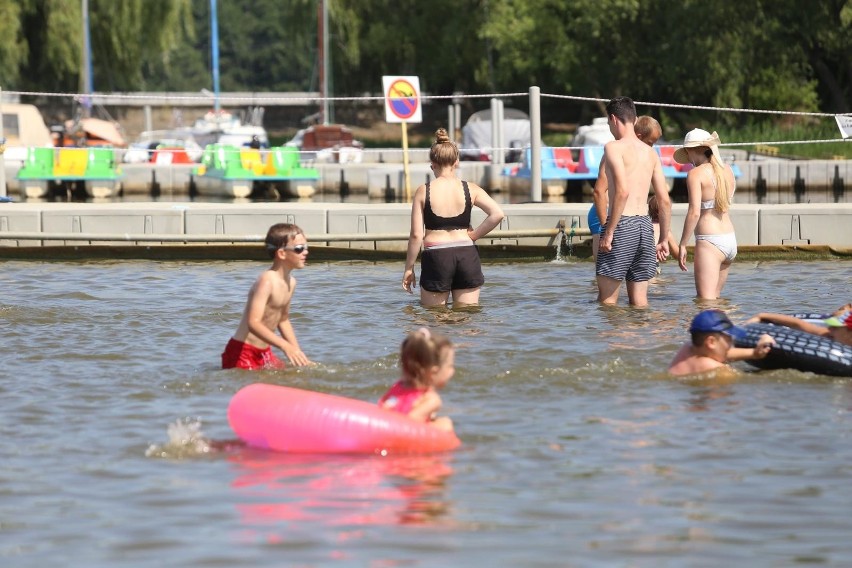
(279, 235)
(421, 350)
(444, 152)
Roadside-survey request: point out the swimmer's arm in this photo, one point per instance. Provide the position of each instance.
(293, 351)
(600, 196)
(693, 188)
(759, 351)
(493, 211)
(426, 407)
(789, 321)
(615, 171)
(415, 238)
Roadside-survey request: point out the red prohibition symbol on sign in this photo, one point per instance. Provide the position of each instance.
(402, 98)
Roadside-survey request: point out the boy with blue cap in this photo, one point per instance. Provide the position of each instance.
(712, 345)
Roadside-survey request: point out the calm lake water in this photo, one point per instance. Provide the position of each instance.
(577, 450)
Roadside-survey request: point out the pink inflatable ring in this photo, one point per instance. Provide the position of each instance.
(287, 419)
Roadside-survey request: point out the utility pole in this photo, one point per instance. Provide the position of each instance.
(214, 50)
(2, 150)
(324, 62)
(86, 70)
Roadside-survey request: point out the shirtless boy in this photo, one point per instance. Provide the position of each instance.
(712, 345)
(268, 307)
(627, 249)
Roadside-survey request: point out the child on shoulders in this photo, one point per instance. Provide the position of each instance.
(712, 345)
(427, 360)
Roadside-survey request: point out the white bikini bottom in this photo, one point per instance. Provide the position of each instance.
(726, 242)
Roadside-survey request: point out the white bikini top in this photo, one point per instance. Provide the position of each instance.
(711, 203)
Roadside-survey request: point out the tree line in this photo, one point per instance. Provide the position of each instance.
(762, 54)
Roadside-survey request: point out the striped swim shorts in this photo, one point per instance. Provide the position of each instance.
(634, 255)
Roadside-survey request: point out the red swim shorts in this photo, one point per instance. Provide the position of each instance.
(244, 356)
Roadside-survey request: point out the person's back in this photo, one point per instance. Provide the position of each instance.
(710, 188)
(631, 166)
(637, 161)
(694, 360)
(441, 223)
(450, 204)
(712, 220)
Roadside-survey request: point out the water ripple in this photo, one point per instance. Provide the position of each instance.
(114, 424)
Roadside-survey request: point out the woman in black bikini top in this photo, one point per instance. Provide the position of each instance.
(440, 222)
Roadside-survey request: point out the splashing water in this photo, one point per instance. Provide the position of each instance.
(568, 239)
(560, 236)
(185, 440)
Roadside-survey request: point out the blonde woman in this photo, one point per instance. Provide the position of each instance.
(440, 222)
(710, 185)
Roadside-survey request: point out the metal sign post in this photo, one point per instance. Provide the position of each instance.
(402, 104)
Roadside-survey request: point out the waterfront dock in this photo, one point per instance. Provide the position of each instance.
(385, 180)
(351, 230)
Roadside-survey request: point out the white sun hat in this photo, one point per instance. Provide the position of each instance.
(698, 138)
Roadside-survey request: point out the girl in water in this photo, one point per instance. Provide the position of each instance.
(710, 185)
(428, 363)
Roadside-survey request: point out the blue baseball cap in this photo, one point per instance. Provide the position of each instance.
(715, 321)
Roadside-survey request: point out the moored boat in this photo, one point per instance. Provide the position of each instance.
(229, 171)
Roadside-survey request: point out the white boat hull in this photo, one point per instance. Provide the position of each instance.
(212, 186)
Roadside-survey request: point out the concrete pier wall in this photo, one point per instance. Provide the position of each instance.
(376, 227)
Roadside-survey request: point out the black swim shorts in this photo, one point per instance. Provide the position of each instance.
(444, 269)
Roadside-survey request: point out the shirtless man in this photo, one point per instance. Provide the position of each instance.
(627, 249)
(268, 307)
(648, 130)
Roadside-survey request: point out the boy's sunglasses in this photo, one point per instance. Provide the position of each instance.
(298, 249)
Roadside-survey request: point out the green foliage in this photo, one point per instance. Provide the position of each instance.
(795, 129)
(266, 45)
(765, 54)
(127, 32)
(13, 48)
(436, 41)
(53, 54)
(41, 43)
